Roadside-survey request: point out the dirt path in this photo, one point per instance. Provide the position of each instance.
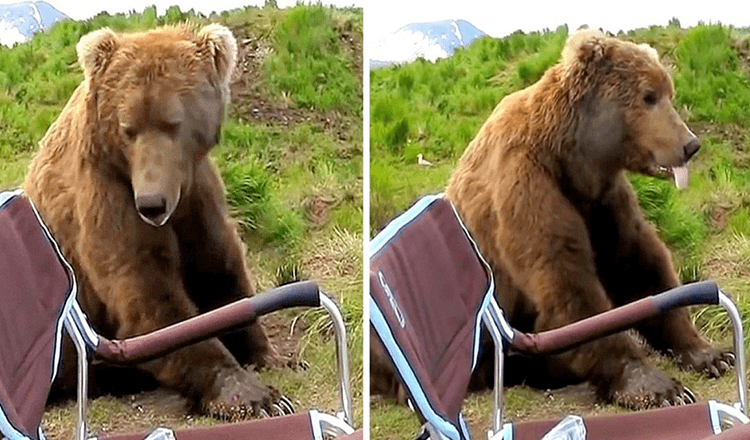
(252, 103)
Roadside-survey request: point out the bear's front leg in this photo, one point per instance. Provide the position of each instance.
(134, 271)
(634, 263)
(550, 259)
(214, 264)
(616, 366)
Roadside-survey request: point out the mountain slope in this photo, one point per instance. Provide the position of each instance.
(426, 40)
(19, 21)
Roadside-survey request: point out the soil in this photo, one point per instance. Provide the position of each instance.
(317, 209)
(284, 336)
(719, 218)
(252, 103)
(732, 134)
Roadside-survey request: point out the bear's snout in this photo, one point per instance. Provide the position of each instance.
(152, 208)
(691, 148)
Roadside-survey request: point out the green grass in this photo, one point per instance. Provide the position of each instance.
(277, 177)
(308, 64)
(713, 84)
(437, 108)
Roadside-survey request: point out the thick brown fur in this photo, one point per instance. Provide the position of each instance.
(128, 153)
(543, 191)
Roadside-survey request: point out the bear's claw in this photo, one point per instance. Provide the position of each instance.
(712, 362)
(643, 386)
(287, 405)
(242, 396)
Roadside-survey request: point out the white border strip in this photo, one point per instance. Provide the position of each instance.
(7, 195)
(72, 298)
(399, 222)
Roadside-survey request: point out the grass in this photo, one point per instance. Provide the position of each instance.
(308, 63)
(296, 188)
(437, 108)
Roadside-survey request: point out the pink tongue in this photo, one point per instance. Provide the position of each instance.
(680, 177)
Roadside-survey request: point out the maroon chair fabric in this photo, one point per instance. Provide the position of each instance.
(33, 291)
(429, 284)
(741, 432)
(689, 422)
(294, 427)
(356, 435)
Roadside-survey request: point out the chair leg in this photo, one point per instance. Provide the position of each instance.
(497, 338)
(739, 349)
(342, 356)
(83, 377)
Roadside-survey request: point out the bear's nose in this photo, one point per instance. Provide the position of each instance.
(691, 148)
(152, 208)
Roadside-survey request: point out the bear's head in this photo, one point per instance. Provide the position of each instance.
(622, 96)
(155, 102)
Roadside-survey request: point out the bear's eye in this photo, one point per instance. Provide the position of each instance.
(129, 131)
(650, 98)
(171, 127)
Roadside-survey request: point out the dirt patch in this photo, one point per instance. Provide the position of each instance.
(719, 218)
(351, 42)
(733, 134)
(284, 334)
(317, 209)
(742, 46)
(251, 102)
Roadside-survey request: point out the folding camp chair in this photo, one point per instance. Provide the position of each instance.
(430, 293)
(39, 305)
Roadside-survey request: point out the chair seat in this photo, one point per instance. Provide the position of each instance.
(689, 422)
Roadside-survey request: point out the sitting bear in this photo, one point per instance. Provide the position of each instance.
(543, 191)
(124, 182)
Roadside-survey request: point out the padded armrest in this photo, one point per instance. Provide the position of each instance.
(615, 320)
(237, 314)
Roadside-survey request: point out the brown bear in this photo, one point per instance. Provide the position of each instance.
(125, 184)
(543, 191)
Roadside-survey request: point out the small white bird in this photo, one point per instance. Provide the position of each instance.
(421, 161)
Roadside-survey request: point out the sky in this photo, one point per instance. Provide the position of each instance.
(500, 18)
(83, 9)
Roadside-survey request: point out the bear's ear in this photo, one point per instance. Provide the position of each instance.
(584, 40)
(95, 49)
(650, 51)
(583, 57)
(223, 48)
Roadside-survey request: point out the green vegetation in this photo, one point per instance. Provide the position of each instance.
(290, 157)
(436, 109)
(310, 64)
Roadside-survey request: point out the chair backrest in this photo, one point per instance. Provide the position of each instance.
(36, 288)
(428, 289)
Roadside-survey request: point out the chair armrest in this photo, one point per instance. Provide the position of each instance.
(615, 320)
(232, 316)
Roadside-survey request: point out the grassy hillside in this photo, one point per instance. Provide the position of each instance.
(291, 158)
(436, 109)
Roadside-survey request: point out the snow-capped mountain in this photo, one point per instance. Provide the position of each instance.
(427, 40)
(19, 21)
